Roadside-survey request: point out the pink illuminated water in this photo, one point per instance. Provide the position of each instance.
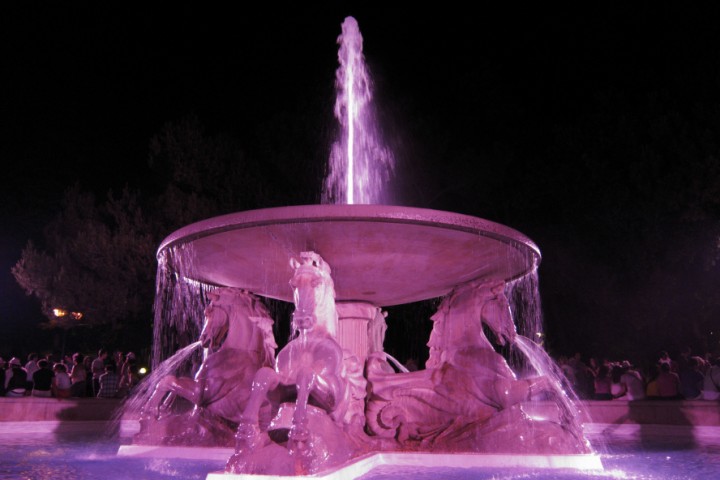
(359, 165)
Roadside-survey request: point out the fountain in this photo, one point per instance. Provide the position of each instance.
(332, 398)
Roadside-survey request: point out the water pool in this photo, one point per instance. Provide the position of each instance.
(624, 459)
(79, 456)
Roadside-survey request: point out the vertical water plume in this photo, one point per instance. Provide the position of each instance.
(359, 165)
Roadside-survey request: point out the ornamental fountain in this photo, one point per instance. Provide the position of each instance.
(332, 397)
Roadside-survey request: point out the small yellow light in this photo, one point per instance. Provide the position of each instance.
(59, 312)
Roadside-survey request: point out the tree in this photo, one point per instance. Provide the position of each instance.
(96, 260)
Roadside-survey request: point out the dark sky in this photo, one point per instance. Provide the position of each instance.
(499, 113)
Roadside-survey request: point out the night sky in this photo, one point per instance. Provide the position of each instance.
(593, 130)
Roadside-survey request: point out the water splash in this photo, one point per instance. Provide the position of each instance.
(179, 303)
(176, 365)
(571, 412)
(360, 165)
(524, 297)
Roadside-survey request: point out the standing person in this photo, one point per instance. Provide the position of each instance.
(109, 382)
(61, 384)
(42, 380)
(15, 379)
(118, 358)
(97, 368)
(128, 381)
(31, 367)
(129, 361)
(78, 376)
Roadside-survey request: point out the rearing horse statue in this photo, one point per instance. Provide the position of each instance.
(312, 373)
(237, 340)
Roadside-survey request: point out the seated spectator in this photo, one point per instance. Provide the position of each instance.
(651, 388)
(603, 384)
(109, 382)
(668, 383)
(581, 377)
(42, 380)
(632, 382)
(711, 380)
(691, 379)
(16, 379)
(617, 389)
(61, 384)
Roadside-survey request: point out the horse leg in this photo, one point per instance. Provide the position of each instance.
(299, 436)
(248, 436)
(165, 392)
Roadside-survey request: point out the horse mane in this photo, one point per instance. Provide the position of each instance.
(241, 305)
(456, 298)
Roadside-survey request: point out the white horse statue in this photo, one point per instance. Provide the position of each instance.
(237, 340)
(467, 398)
(316, 387)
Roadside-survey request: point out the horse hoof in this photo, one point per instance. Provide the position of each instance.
(299, 433)
(235, 464)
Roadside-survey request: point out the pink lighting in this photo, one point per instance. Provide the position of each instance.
(329, 401)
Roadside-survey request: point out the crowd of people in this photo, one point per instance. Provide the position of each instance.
(77, 375)
(687, 377)
(106, 375)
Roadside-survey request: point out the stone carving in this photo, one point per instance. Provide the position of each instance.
(316, 389)
(467, 398)
(238, 340)
(316, 405)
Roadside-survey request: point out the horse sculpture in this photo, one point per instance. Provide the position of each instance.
(467, 398)
(238, 340)
(316, 388)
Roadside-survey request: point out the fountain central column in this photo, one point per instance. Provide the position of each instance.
(361, 328)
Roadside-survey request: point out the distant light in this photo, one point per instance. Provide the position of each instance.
(142, 370)
(61, 312)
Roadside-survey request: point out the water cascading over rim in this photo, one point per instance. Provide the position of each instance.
(383, 255)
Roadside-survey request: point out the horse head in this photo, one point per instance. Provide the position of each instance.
(495, 312)
(216, 327)
(313, 295)
(459, 318)
(236, 318)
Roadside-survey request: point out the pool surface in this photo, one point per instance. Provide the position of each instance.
(72, 456)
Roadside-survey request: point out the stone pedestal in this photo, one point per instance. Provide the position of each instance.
(361, 328)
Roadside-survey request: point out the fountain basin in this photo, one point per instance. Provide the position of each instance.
(380, 254)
